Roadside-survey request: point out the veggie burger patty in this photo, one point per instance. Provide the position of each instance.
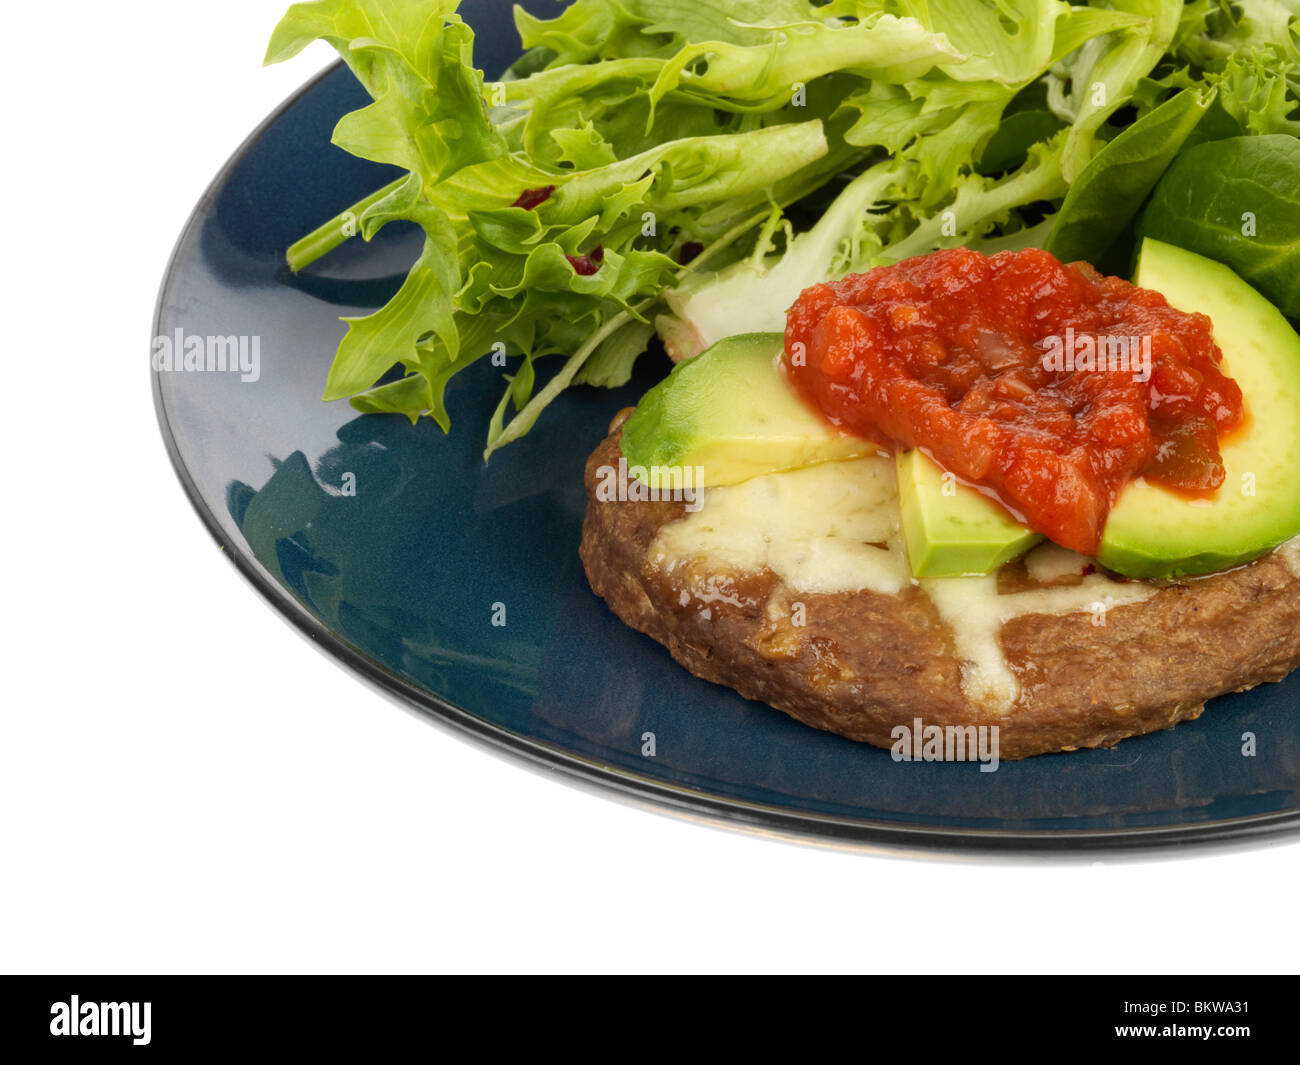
(859, 663)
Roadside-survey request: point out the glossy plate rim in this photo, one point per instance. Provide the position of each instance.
(607, 781)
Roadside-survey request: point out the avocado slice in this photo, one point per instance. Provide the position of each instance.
(950, 528)
(1153, 532)
(731, 412)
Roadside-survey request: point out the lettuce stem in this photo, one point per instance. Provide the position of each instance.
(338, 230)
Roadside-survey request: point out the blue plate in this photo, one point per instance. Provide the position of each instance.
(396, 550)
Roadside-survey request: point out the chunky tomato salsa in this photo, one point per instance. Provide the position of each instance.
(1044, 383)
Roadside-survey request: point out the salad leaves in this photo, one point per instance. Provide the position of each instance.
(1237, 201)
(687, 167)
(1113, 185)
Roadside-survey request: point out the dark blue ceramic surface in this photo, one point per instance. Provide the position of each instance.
(400, 580)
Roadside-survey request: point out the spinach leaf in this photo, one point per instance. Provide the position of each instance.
(1112, 187)
(1217, 125)
(1237, 201)
(1009, 146)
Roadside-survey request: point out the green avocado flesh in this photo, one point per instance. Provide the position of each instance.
(950, 528)
(731, 413)
(1153, 532)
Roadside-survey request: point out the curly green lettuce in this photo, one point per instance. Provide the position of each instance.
(689, 166)
(559, 205)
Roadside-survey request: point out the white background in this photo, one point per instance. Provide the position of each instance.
(186, 784)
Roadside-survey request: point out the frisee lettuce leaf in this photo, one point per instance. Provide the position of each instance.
(627, 166)
(689, 166)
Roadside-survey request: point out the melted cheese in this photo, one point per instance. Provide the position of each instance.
(828, 528)
(836, 528)
(1050, 562)
(1290, 552)
(975, 613)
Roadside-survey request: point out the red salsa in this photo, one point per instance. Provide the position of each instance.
(1044, 383)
